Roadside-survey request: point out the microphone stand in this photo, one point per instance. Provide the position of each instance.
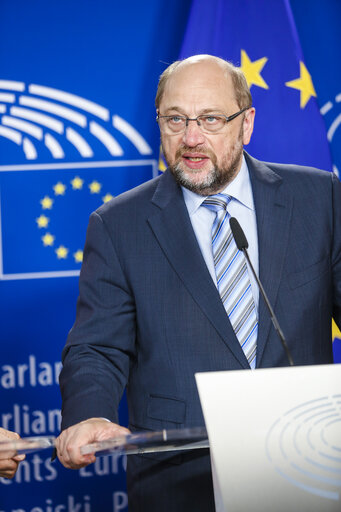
(242, 245)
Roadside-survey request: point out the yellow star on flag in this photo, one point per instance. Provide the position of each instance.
(336, 333)
(42, 221)
(95, 187)
(252, 70)
(59, 189)
(162, 163)
(62, 252)
(304, 84)
(48, 239)
(78, 255)
(107, 198)
(77, 183)
(46, 203)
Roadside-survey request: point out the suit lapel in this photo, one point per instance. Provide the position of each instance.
(173, 229)
(273, 204)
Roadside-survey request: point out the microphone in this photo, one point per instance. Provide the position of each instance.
(242, 244)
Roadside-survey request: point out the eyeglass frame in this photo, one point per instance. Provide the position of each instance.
(227, 118)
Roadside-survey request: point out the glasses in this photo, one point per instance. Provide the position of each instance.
(208, 123)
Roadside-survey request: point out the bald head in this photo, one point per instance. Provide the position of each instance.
(208, 63)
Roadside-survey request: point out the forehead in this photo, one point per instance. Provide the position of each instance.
(197, 87)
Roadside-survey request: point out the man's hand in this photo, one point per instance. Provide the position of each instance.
(9, 462)
(69, 442)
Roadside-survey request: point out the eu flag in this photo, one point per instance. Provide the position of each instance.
(44, 213)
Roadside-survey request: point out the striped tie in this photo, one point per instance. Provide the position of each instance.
(232, 278)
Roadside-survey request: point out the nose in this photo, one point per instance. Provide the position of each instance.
(193, 136)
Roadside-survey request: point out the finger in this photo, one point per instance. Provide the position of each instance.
(75, 461)
(111, 430)
(8, 454)
(8, 468)
(7, 434)
(19, 458)
(68, 451)
(70, 441)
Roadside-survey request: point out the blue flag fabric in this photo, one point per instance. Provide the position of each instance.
(318, 25)
(261, 37)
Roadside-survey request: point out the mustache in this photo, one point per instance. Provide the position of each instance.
(190, 150)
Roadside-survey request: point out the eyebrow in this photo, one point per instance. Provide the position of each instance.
(202, 112)
(178, 109)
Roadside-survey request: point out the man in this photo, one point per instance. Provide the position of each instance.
(150, 313)
(9, 461)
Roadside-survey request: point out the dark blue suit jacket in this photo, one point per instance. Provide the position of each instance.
(149, 315)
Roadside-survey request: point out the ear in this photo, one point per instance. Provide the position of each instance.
(249, 118)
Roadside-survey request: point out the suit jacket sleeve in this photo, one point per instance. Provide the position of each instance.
(336, 250)
(94, 371)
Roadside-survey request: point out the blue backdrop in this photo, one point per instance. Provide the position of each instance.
(77, 126)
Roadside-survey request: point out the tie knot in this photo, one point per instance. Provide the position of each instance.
(217, 202)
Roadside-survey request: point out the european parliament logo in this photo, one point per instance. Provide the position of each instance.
(65, 156)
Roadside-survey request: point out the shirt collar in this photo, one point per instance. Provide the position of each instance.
(239, 188)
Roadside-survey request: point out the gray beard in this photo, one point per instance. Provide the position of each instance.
(216, 180)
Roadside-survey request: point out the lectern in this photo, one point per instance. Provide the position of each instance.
(275, 438)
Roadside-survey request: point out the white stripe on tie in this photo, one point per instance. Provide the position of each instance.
(232, 278)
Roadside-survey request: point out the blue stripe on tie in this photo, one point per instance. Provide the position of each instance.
(229, 266)
(253, 330)
(220, 227)
(241, 298)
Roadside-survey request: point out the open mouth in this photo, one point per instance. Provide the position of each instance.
(195, 158)
(196, 161)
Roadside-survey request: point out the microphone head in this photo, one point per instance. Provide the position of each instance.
(238, 234)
